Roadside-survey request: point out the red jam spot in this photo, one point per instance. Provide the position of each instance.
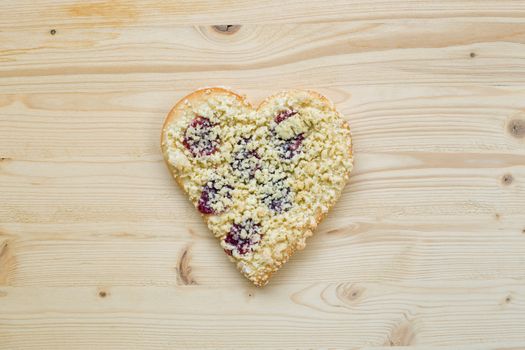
(210, 196)
(292, 147)
(279, 205)
(279, 199)
(243, 244)
(283, 115)
(198, 139)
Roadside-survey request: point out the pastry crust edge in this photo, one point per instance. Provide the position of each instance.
(262, 276)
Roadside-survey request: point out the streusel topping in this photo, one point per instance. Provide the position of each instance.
(263, 178)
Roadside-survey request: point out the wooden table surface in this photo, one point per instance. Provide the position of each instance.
(100, 250)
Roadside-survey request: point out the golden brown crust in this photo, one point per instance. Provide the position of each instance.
(261, 277)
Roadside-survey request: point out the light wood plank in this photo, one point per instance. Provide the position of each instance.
(316, 315)
(116, 13)
(426, 248)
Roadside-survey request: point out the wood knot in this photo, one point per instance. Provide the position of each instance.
(184, 269)
(508, 299)
(52, 32)
(102, 292)
(472, 54)
(226, 28)
(401, 335)
(3, 249)
(7, 262)
(351, 293)
(516, 128)
(507, 179)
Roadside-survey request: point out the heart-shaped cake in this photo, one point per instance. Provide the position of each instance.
(262, 178)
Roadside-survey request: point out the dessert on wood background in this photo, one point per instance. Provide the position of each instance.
(100, 250)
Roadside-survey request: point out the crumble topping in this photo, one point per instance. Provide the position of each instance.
(262, 178)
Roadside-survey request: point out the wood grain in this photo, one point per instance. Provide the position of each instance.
(111, 13)
(100, 250)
